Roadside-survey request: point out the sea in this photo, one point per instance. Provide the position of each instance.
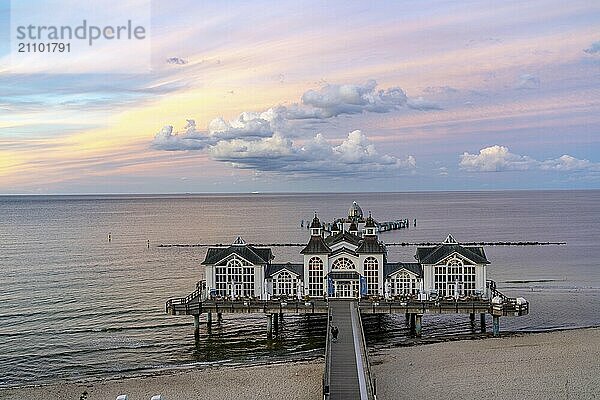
(75, 306)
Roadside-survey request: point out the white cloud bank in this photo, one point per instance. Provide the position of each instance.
(499, 158)
(317, 156)
(263, 140)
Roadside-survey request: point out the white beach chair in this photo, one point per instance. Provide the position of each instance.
(157, 397)
(122, 397)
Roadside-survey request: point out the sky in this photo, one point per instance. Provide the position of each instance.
(332, 96)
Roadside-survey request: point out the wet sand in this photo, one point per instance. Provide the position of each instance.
(554, 365)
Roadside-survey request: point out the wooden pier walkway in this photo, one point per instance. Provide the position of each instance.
(347, 371)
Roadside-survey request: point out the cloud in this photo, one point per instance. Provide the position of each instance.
(176, 61)
(247, 124)
(263, 141)
(499, 158)
(493, 159)
(568, 163)
(334, 100)
(189, 139)
(317, 156)
(421, 104)
(528, 81)
(594, 48)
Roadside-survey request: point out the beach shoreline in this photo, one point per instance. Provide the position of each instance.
(552, 364)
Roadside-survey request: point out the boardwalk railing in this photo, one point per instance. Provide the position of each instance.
(194, 305)
(327, 371)
(369, 378)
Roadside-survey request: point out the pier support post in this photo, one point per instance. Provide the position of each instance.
(482, 322)
(219, 317)
(412, 322)
(418, 324)
(496, 323)
(269, 325)
(209, 319)
(196, 324)
(407, 316)
(275, 323)
(472, 317)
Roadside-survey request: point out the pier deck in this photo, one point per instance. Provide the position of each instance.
(347, 370)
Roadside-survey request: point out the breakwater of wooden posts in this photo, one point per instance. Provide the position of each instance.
(520, 243)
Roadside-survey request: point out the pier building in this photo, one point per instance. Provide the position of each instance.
(350, 262)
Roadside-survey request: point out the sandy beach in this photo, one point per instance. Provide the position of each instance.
(291, 381)
(554, 365)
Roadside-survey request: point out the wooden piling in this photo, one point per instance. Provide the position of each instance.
(482, 322)
(418, 324)
(496, 325)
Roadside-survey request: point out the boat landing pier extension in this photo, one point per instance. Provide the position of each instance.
(347, 372)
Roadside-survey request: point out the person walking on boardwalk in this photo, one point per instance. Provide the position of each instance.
(334, 333)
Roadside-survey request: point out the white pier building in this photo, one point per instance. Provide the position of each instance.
(347, 261)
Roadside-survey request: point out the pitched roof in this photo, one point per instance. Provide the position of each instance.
(390, 268)
(297, 269)
(343, 237)
(433, 255)
(342, 250)
(255, 255)
(316, 245)
(371, 245)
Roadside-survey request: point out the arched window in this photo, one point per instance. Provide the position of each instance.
(372, 275)
(284, 284)
(404, 284)
(234, 279)
(315, 277)
(343, 263)
(454, 278)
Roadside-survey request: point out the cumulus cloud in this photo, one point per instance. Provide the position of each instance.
(334, 100)
(528, 81)
(263, 140)
(189, 139)
(499, 158)
(594, 48)
(247, 124)
(317, 156)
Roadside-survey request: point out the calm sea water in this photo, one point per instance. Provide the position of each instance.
(76, 307)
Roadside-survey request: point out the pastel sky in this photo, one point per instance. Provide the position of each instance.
(278, 96)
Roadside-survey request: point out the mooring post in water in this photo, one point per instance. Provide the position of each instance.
(109, 236)
(269, 325)
(472, 317)
(418, 324)
(148, 243)
(496, 322)
(275, 323)
(482, 321)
